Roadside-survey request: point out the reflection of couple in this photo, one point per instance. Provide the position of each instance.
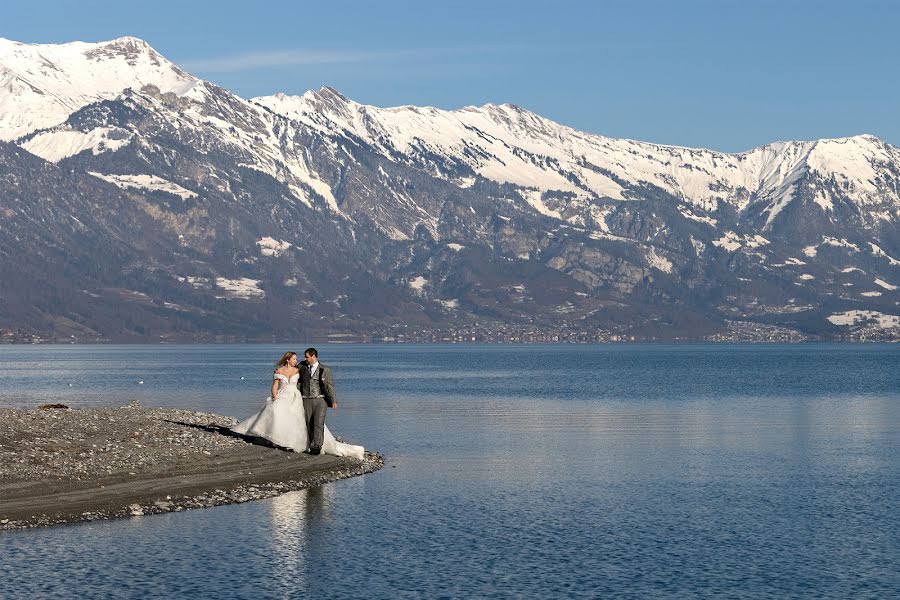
(294, 416)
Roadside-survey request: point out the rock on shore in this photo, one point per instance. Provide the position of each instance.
(60, 465)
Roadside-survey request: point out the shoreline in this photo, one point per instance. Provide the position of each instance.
(68, 465)
(671, 341)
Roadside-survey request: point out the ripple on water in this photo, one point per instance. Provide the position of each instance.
(711, 471)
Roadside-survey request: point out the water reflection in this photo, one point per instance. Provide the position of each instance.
(298, 523)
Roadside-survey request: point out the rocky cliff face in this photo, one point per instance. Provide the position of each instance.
(145, 204)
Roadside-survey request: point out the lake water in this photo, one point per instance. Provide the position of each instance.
(512, 471)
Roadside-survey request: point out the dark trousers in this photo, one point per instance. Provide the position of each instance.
(315, 421)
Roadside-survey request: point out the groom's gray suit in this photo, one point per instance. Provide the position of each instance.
(318, 394)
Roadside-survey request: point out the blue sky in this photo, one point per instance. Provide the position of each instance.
(716, 74)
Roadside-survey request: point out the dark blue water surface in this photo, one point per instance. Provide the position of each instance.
(512, 471)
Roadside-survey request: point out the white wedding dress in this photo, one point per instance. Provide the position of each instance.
(282, 421)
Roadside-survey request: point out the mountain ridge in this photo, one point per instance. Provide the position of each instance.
(787, 159)
(427, 218)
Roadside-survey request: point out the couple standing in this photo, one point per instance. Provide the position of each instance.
(294, 415)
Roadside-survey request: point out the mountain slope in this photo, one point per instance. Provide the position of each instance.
(205, 214)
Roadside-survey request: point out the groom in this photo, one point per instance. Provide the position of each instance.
(317, 388)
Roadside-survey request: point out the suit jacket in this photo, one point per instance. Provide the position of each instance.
(326, 383)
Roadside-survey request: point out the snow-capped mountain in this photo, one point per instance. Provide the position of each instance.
(134, 188)
(42, 84)
(508, 144)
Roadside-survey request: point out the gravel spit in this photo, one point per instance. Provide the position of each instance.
(62, 465)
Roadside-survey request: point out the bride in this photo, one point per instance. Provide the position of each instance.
(282, 419)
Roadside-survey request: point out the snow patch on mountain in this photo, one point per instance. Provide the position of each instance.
(533, 198)
(730, 242)
(812, 251)
(839, 243)
(57, 145)
(863, 317)
(146, 182)
(196, 282)
(698, 246)
(417, 285)
(658, 262)
(877, 251)
(242, 287)
(269, 246)
(701, 219)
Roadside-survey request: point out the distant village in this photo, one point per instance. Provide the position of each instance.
(495, 333)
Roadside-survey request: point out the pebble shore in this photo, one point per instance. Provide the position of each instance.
(62, 465)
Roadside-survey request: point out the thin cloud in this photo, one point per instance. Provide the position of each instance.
(281, 58)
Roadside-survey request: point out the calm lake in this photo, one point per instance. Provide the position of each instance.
(512, 471)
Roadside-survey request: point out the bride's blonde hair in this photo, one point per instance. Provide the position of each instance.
(284, 359)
